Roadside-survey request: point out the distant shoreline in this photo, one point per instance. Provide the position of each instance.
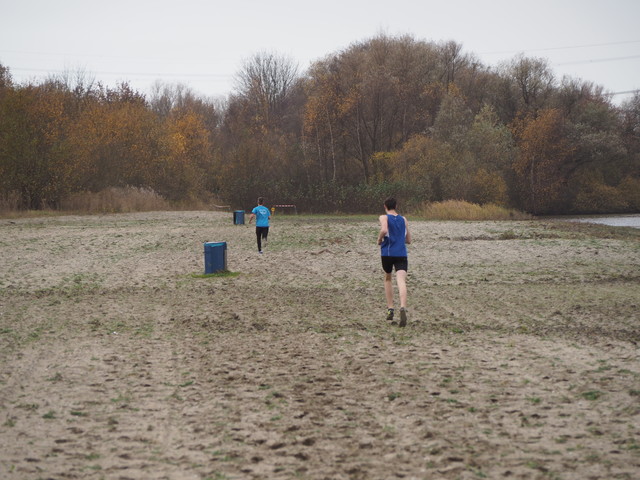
(613, 220)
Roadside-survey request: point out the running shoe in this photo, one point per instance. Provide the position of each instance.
(403, 318)
(389, 314)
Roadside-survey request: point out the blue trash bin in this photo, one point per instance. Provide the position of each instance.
(215, 257)
(238, 217)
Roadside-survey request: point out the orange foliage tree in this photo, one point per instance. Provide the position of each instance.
(543, 149)
(185, 156)
(115, 141)
(33, 148)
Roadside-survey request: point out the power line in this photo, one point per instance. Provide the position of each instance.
(561, 48)
(598, 60)
(226, 76)
(621, 93)
(120, 57)
(93, 56)
(148, 74)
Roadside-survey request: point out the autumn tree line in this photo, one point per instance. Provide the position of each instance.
(386, 116)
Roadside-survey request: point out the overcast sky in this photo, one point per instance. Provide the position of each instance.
(203, 44)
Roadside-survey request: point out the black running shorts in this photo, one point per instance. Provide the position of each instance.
(400, 263)
(262, 232)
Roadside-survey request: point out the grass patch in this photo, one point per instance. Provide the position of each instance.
(582, 231)
(631, 444)
(508, 235)
(144, 330)
(222, 274)
(592, 395)
(124, 399)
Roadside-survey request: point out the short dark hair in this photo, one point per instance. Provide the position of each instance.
(260, 200)
(390, 203)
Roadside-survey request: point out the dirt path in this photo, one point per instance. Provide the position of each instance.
(520, 360)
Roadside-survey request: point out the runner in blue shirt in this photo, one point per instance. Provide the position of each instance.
(262, 216)
(393, 239)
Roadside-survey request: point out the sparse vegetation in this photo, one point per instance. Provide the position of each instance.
(221, 274)
(116, 200)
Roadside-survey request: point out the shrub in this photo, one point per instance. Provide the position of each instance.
(629, 189)
(600, 198)
(461, 210)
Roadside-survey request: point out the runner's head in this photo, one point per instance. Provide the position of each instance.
(260, 200)
(390, 203)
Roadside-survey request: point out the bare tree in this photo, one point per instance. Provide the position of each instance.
(533, 79)
(452, 61)
(166, 97)
(265, 81)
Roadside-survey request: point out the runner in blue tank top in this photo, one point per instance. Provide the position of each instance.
(393, 239)
(262, 216)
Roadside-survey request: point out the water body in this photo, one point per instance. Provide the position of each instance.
(611, 220)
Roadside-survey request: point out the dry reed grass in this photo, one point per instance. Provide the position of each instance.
(116, 200)
(461, 210)
(9, 202)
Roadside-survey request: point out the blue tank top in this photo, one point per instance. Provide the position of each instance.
(394, 244)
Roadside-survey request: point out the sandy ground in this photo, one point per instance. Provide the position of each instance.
(520, 360)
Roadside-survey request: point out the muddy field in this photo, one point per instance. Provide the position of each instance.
(119, 361)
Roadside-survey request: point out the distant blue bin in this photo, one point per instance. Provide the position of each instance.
(215, 257)
(238, 217)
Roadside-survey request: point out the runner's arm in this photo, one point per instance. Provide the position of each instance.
(384, 229)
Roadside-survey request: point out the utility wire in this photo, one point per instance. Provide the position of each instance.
(598, 60)
(227, 76)
(592, 45)
(621, 93)
(561, 48)
(208, 75)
